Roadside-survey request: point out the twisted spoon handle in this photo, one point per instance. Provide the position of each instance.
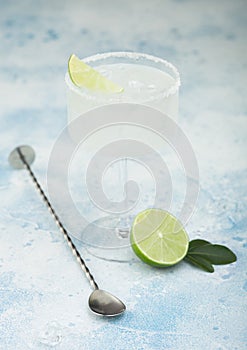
(82, 263)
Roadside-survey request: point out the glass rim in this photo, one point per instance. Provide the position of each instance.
(162, 93)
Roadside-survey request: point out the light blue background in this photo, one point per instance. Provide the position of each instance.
(43, 297)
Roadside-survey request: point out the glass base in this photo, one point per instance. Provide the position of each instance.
(108, 238)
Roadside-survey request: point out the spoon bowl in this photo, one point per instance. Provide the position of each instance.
(105, 304)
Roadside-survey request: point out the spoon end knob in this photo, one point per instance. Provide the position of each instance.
(26, 151)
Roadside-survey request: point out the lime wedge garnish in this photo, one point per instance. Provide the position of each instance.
(158, 238)
(85, 76)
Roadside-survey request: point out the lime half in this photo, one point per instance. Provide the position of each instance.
(158, 238)
(83, 75)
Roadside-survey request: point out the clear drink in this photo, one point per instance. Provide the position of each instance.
(146, 80)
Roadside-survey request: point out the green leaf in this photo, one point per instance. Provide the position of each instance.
(216, 254)
(204, 254)
(200, 262)
(195, 243)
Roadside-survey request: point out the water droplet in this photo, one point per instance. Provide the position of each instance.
(51, 335)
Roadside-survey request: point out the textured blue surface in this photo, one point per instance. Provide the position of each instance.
(43, 298)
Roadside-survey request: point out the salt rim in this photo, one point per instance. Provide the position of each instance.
(126, 54)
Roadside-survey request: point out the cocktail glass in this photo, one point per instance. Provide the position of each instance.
(147, 80)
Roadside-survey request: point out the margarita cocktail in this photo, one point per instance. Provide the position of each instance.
(140, 79)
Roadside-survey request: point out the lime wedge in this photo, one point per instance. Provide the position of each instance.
(85, 76)
(158, 238)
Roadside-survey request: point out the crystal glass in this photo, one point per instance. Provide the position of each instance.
(147, 80)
